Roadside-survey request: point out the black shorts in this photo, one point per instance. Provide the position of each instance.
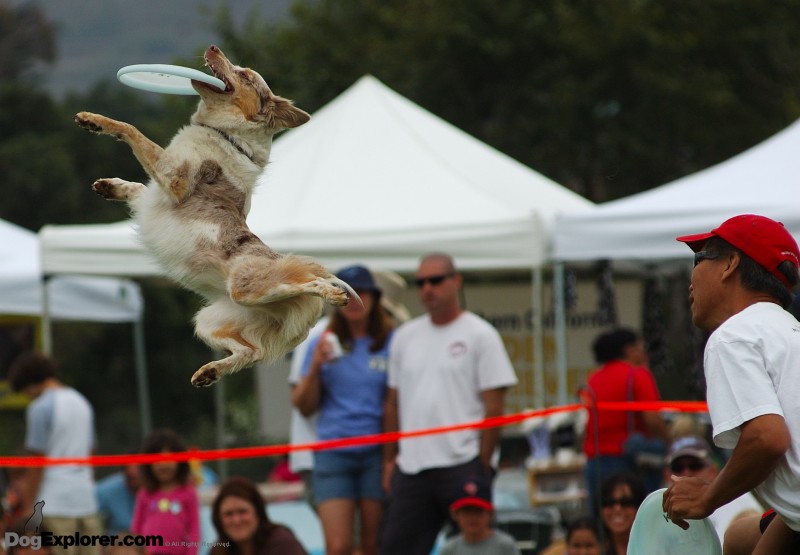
(768, 517)
(419, 506)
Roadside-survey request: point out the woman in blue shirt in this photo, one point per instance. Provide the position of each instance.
(348, 389)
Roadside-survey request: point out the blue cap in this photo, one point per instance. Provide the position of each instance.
(359, 278)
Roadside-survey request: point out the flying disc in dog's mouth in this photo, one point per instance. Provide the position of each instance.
(168, 79)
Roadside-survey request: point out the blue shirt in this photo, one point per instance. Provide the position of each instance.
(353, 391)
(115, 501)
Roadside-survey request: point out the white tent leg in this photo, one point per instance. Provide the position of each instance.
(538, 339)
(142, 385)
(560, 333)
(219, 416)
(47, 337)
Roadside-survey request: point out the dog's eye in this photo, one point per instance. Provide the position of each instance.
(246, 77)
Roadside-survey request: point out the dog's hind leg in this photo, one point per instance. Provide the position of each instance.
(252, 283)
(171, 176)
(216, 325)
(328, 289)
(241, 356)
(114, 188)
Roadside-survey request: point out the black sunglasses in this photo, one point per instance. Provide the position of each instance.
(691, 465)
(699, 256)
(433, 280)
(621, 501)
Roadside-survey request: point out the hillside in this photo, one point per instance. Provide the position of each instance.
(97, 37)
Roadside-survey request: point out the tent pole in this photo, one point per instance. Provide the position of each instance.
(142, 385)
(560, 333)
(219, 416)
(47, 332)
(538, 338)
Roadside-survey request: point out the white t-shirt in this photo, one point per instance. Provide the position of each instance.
(439, 373)
(303, 430)
(60, 423)
(752, 368)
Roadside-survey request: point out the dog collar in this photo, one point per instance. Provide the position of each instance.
(228, 138)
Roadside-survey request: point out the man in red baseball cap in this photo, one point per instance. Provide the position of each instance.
(743, 280)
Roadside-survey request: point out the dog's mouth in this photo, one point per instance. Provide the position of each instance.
(222, 77)
(216, 65)
(219, 75)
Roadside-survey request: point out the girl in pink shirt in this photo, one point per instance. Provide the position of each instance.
(167, 505)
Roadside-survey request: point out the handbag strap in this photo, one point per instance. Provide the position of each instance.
(629, 397)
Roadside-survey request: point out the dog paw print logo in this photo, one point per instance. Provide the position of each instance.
(34, 523)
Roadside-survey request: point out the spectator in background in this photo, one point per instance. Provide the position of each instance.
(583, 537)
(473, 511)
(623, 376)
(446, 367)
(692, 456)
(243, 528)
(303, 429)
(14, 484)
(348, 390)
(621, 494)
(59, 423)
(167, 503)
(116, 498)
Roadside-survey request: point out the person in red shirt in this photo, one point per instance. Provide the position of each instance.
(623, 376)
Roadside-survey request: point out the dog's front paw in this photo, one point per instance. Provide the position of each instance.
(107, 187)
(206, 376)
(89, 121)
(114, 188)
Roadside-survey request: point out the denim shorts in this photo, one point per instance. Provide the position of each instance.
(348, 474)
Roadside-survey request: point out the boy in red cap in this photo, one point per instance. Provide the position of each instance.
(473, 512)
(745, 272)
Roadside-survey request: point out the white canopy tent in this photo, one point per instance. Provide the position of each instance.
(24, 292)
(69, 298)
(764, 179)
(372, 178)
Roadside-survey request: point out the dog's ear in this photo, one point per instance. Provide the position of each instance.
(287, 115)
(282, 114)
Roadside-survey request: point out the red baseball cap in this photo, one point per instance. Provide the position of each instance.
(473, 493)
(764, 240)
(471, 502)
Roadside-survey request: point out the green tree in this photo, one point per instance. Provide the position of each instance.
(608, 98)
(26, 37)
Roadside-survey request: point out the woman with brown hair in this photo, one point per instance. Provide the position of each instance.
(240, 517)
(346, 382)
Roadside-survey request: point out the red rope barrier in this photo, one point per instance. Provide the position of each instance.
(374, 439)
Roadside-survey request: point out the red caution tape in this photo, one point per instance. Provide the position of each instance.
(374, 439)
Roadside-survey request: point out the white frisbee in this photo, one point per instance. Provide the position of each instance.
(165, 78)
(653, 534)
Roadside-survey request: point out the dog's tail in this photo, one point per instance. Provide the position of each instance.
(353, 295)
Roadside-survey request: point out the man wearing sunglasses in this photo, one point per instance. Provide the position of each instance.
(742, 283)
(446, 367)
(692, 456)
